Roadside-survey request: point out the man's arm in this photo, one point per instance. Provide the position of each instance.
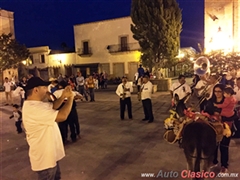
(65, 110)
(58, 102)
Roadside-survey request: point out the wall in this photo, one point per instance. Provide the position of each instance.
(102, 34)
(6, 22)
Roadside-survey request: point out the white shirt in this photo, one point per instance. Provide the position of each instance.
(136, 76)
(59, 92)
(146, 90)
(181, 91)
(200, 84)
(80, 81)
(7, 86)
(120, 87)
(237, 91)
(43, 135)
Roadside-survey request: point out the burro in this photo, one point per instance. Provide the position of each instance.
(201, 174)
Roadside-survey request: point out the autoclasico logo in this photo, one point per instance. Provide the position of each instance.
(185, 174)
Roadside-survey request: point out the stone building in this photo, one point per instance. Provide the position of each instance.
(222, 24)
(107, 46)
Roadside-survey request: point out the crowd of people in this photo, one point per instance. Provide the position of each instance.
(218, 96)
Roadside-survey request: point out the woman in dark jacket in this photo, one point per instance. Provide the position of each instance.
(218, 98)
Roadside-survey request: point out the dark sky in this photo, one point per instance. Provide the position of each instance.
(42, 22)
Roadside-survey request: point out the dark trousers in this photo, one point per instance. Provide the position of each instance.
(123, 103)
(76, 122)
(83, 92)
(224, 150)
(147, 108)
(63, 130)
(50, 174)
(91, 92)
(18, 126)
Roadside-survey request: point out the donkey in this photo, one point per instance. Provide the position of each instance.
(199, 144)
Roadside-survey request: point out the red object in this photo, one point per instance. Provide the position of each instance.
(227, 106)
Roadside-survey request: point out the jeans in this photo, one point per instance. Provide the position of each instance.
(82, 91)
(50, 173)
(224, 150)
(91, 92)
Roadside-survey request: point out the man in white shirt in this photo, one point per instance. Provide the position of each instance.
(180, 90)
(124, 92)
(81, 85)
(42, 132)
(146, 94)
(8, 91)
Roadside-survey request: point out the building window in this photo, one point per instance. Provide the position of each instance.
(85, 47)
(42, 58)
(123, 43)
(31, 59)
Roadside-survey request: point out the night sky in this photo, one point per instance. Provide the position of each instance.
(49, 23)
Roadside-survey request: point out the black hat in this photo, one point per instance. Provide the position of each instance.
(35, 82)
(63, 84)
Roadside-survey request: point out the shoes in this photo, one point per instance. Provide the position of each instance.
(144, 119)
(6, 104)
(150, 121)
(78, 137)
(131, 118)
(223, 170)
(122, 119)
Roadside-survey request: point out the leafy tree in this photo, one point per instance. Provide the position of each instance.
(11, 52)
(157, 25)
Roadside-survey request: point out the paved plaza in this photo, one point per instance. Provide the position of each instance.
(110, 149)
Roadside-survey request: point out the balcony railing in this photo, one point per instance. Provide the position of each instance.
(116, 48)
(84, 51)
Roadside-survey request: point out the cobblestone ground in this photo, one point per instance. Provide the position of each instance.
(110, 149)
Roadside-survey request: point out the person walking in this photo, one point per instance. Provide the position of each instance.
(124, 92)
(90, 85)
(42, 133)
(146, 94)
(8, 91)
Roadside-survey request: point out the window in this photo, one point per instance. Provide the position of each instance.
(85, 47)
(31, 59)
(42, 58)
(124, 44)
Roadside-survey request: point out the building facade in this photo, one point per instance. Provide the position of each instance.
(6, 22)
(222, 23)
(47, 63)
(106, 46)
(6, 27)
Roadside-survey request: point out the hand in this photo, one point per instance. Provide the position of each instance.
(67, 92)
(214, 104)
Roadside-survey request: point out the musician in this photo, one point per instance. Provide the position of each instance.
(124, 91)
(200, 88)
(180, 90)
(146, 94)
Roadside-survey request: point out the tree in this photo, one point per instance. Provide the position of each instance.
(11, 52)
(157, 25)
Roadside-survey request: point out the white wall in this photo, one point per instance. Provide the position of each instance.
(100, 35)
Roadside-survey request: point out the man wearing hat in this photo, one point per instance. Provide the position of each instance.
(42, 133)
(146, 94)
(124, 92)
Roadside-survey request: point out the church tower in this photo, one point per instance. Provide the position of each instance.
(6, 22)
(222, 25)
